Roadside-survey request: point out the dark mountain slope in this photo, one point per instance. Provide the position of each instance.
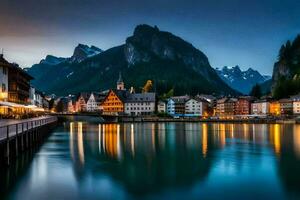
(149, 54)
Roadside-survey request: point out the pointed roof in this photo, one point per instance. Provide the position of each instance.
(120, 78)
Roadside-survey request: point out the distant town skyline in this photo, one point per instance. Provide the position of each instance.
(231, 32)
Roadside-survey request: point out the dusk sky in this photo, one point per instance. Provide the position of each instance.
(229, 32)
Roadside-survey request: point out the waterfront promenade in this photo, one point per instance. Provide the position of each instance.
(18, 135)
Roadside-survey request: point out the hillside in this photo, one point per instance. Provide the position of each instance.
(148, 54)
(286, 72)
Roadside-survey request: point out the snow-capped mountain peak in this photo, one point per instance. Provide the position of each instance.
(242, 81)
(82, 51)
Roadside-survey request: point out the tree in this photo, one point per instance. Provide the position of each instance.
(256, 91)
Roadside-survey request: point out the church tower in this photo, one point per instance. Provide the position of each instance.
(120, 83)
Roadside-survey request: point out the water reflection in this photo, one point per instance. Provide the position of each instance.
(157, 154)
(181, 159)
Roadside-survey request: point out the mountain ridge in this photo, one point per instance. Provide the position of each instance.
(242, 81)
(149, 53)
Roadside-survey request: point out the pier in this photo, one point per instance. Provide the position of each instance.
(17, 136)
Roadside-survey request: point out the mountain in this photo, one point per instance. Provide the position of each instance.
(149, 54)
(83, 52)
(52, 60)
(286, 71)
(242, 81)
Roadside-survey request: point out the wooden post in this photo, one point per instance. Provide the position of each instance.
(27, 136)
(22, 138)
(16, 140)
(7, 145)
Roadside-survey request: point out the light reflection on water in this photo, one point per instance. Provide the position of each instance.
(160, 160)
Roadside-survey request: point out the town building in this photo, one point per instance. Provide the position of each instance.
(275, 108)
(120, 83)
(113, 103)
(94, 101)
(260, 107)
(140, 104)
(296, 104)
(195, 107)
(71, 104)
(4, 65)
(209, 98)
(176, 105)
(226, 107)
(81, 103)
(243, 105)
(15, 83)
(161, 107)
(286, 106)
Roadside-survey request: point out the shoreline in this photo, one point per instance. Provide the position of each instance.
(140, 119)
(247, 121)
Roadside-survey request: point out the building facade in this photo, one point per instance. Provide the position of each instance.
(296, 104)
(161, 107)
(260, 108)
(113, 103)
(226, 107)
(94, 102)
(243, 106)
(3, 79)
(15, 83)
(140, 104)
(92, 105)
(275, 108)
(195, 107)
(81, 103)
(176, 105)
(286, 106)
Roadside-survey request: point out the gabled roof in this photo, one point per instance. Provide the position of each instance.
(223, 100)
(226, 100)
(180, 99)
(121, 94)
(201, 99)
(285, 101)
(85, 95)
(99, 97)
(141, 97)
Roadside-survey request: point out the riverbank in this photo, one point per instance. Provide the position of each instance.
(248, 121)
(138, 119)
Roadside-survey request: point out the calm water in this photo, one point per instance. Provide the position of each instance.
(81, 160)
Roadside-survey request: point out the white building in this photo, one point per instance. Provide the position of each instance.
(195, 107)
(94, 101)
(296, 104)
(261, 107)
(32, 95)
(140, 104)
(161, 107)
(3, 79)
(91, 105)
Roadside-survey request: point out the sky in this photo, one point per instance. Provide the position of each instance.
(230, 32)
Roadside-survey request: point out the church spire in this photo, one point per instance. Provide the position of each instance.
(120, 78)
(120, 83)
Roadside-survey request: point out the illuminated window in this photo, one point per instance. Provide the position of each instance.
(3, 87)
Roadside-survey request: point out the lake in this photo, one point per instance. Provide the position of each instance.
(87, 160)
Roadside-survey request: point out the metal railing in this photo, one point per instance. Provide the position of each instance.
(11, 130)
